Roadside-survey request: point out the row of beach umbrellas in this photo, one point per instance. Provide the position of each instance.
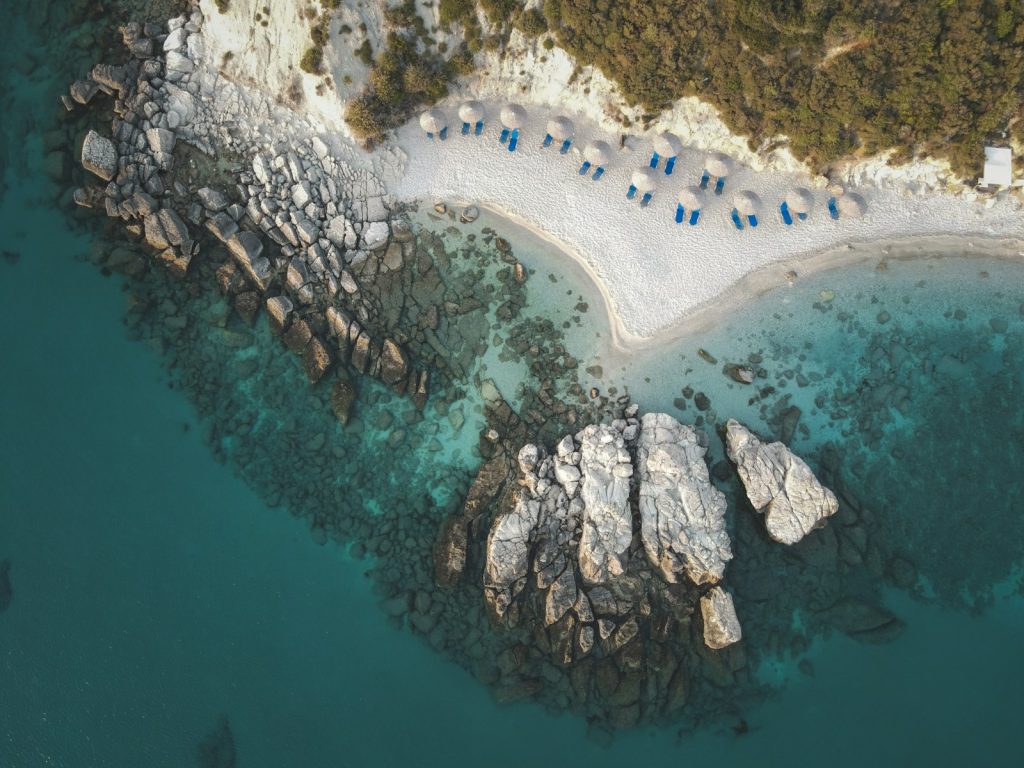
(798, 201)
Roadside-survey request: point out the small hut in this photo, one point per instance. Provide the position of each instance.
(644, 181)
(746, 205)
(596, 154)
(669, 146)
(512, 118)
(717, 166)
(433, 121)
(560, 129)
(690, 199)
(799, 201)
(472, 115)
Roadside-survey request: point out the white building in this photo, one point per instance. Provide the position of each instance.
(998, 167)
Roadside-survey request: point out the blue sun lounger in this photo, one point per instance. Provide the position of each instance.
(655, 158)
(504, 135)
(479, 127)
(680, 212)
(704, 180)
(632, 192)
(430, 135)
(584, 168)
(599, 173)
(547, 140)
(465, 129)
(736, 219)
(670, 166)
(513, 140)
(694, 216)
(444, 133)
(787, 219)
(832, 210)
(565, 146)
(719, 185)
(646, 199)
(752, 219)
(802, 216)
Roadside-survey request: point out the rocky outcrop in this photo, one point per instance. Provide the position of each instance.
(779, 485)
(605, 469)
(99, 156)
(682, 516)
(721, 627)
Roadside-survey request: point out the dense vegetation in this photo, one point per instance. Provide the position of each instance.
(936, 77)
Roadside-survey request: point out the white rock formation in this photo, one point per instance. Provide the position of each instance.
(682, 516)
(721, 626)
(99, 155)
(780, 485)
(606, 467)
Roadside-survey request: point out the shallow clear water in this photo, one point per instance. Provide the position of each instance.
(153, 591)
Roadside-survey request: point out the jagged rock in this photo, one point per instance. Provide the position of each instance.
(316, 359)
(361, 352)
(174, 228)
(721, 626)
(83, 91)
(99, 156)
(222, 226)
(247, 249)
(508, 549)
(606, 467)
(561, 596)
(298, 335)
(682, 515)
(779, 485)
(160, 140)
(279, 309)
(176, 261)
(212, 199)
(393, 366)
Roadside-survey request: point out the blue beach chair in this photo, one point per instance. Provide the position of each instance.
(719, 185)
(479, 127)
(694, 216)
(646, 199)
(632, 192)
(786, 217)
(802, 216)
(547, 140)
(736, 219)
(599, 173)
(832, 210)
(444, 133)
(654, 160)
(680, 212)
(704, 180)
(430, 135)
(504, 135)
(565, 146)
(465, 129)
(584, 168)
(513, 140)
(752, 219)
(670, 166)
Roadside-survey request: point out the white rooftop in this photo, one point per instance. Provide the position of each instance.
(998, 167)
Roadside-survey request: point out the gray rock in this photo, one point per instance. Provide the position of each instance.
(160, 140)
(222, 226)
(99, 156)
(279, 309)
(247, 249)
(606, 467)
(173, 226)
(779, 485)
(83, 91)
(393, 366)
(721, 626)
(212, 199)
(682, 514)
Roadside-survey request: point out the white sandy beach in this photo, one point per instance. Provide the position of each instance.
(653, 271)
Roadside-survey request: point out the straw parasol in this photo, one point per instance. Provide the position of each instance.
(747, 203)
(471, 111)
(692, 198)
(561, 128)
(644, 179)
(667, 145)
(513, 116)
(851, 205)
(597, 153)
(718, 164)
(800, 200)
(433, 121)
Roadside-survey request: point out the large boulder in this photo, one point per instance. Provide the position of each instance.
(393, 366)
(721, 626)
(605, 467)
(779, 485)
(508, 549)
(247, 249)
(682, 515)
(99, 156)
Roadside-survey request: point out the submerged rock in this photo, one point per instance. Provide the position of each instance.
(682, 515)
(343, 396)
(721, 626)
(780, 485)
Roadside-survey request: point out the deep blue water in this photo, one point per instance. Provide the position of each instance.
(153, 592)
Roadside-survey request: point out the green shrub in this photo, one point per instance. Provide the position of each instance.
(312, 60)
(532, 23)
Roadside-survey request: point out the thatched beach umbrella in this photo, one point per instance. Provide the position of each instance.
(560, 128)
(597, 153)
(718, 164)
(471, 111)
(433, 120)
(692, 198)
(644, 180)
(513, 116)
(747, 203)
(667, 144)
(799, 200)
(851, 205)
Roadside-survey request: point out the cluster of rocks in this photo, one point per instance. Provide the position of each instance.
(295, 230)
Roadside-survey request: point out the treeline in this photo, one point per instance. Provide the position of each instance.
(838, 77)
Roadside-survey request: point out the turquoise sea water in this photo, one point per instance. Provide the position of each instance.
(152, 592)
